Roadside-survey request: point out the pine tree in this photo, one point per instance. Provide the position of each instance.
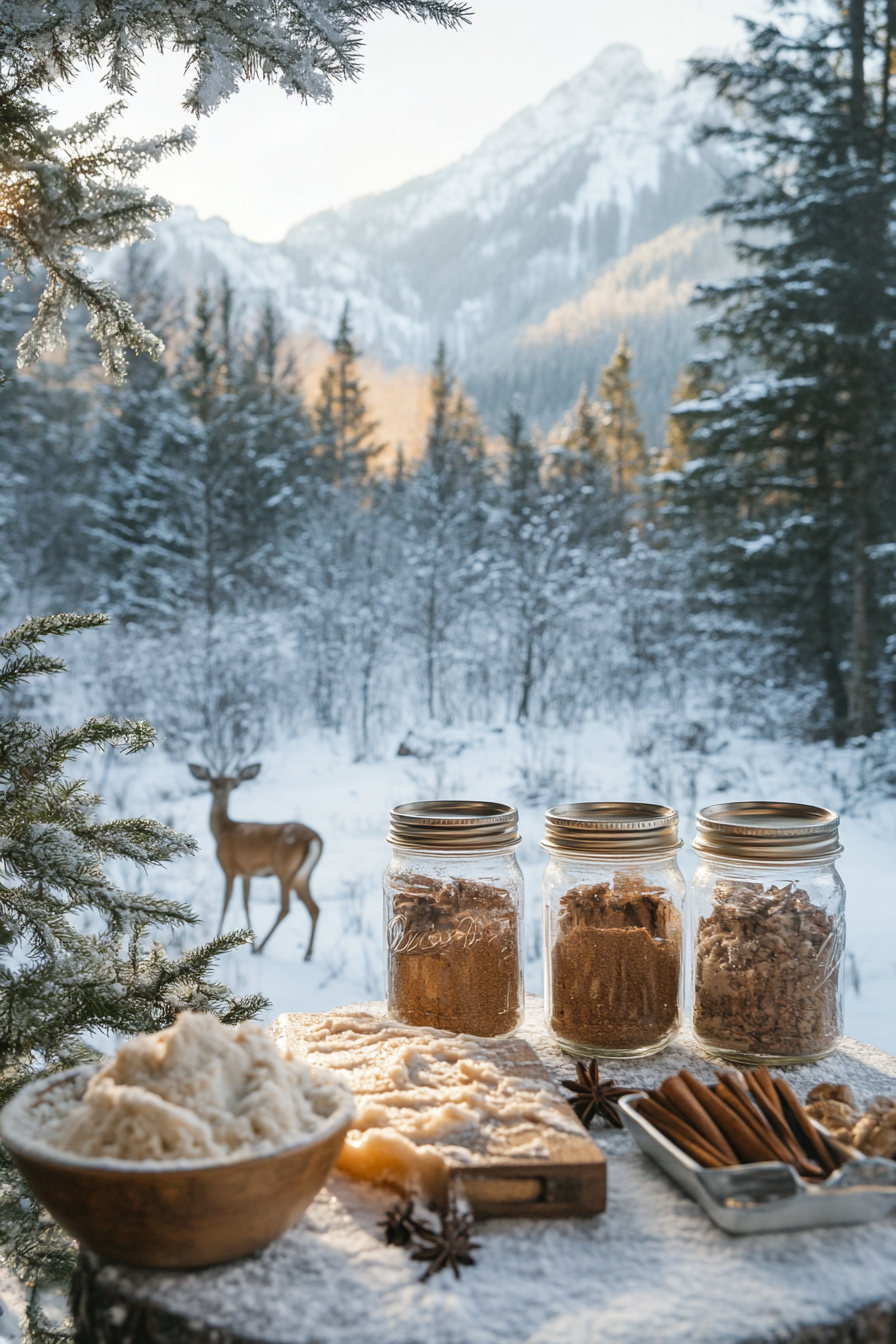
(523, 467)
(541, 561)
(372, 593)
(62, 191)
(446, 507)
(60, 985)
(277, 434)
(677, 449)
(454, 453)
(346, 436)
(526, 537)
(579, 474)
(137, 487)
(44, 415)
(620, 427)
(794, 478)
(201, 471)
(579, 451)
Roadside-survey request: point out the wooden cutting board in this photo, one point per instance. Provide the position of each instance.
(529, 1155)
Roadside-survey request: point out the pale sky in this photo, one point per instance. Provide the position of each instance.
(265, 161)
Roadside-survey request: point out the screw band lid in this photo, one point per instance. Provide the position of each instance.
(768, 831)
(452, 825)
(622, 829)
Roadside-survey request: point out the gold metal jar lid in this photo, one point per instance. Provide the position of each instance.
(623, 829)
(452, 825)
(774, 832)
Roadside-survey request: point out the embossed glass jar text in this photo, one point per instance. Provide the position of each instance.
(453, 913)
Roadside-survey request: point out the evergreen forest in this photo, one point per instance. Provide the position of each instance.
(268, 560)
(271, 560)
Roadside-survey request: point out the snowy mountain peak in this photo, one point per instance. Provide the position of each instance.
(618, 73)
(498, 238)
(488, 246)
(616, 112)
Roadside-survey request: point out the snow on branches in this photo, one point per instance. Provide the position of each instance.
(62, 191)
(75, 959)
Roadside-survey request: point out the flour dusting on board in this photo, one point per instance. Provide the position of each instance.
(427, 1098)
(197, 1091)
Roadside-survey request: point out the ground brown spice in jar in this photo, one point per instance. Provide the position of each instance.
(454, 956)
(767, 968)
(616, 966)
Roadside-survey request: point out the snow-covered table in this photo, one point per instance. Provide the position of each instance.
(651, 1270)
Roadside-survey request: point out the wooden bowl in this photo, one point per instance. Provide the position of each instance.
(166, 1216)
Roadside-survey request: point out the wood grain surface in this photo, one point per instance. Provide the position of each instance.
(184, 1219)
(570, 1182)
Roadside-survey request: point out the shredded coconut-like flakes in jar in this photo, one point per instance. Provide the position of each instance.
(196, 1091)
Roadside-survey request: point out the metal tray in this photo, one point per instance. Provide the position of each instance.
(769, 1196)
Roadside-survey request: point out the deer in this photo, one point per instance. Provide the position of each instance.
(247, 849)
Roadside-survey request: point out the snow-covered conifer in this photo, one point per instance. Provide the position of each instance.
(446, 549)
(346, 441)
(65, 190)
(793, 470)
(60, 985)
(541, 569)
(620, 425)
(579, 476)
(44, 465)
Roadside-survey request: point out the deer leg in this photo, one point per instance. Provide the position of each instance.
(300, 885)
(246, 881)
(284, 911)
(313, 909)
(228, 892)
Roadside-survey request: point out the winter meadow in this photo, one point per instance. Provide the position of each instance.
(566, 472)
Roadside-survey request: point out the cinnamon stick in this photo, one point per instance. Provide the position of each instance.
(698, 1152)
(659, 1096)
(682, 1099)
(681, 1134)
(661, 1114)
(770, 1107)
(761, 1099)
(748, 1117)
(769, 1103)
(804, 1125)
(790, 1153)
(841, 1152)
(754, 1118)
(765, 1082)
(748, 1146)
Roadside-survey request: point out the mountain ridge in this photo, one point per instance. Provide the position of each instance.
(486, 249)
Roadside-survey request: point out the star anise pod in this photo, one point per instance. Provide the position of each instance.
(592, 1097)
(399, 1224)
(447, 1247)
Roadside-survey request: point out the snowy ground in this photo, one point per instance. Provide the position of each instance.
(314, 780)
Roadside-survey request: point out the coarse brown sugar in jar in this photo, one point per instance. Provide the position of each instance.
(768, 932)
(613, 902)
(453, 914)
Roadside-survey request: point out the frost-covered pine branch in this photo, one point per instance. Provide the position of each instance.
(76, 959)
(63, 191)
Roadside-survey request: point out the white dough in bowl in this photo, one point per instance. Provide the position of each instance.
(196, 1091)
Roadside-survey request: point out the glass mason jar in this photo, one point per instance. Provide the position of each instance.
(613, 918)
(453, 914)
(768, 932)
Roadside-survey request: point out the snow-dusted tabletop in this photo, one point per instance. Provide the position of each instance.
(651, 1270)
